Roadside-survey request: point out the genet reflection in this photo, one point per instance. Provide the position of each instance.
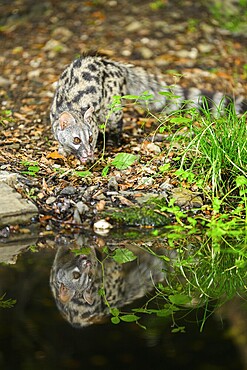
(93, 277)
(88, 282)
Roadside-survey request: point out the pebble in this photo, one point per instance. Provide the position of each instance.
(205, 48)
(148, 181)
(134, 26)
(62, 33)
(50, 200)
(4, 81)
(166, 185)
(153, 148)
(113, 184)
(186, 198)
(76, 216)
(145, 52)
(69, 190)
(102, 227)
(191, 54)
(82, 208)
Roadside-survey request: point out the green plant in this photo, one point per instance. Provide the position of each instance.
(121, 162)
(233, 17)
(7, 303)
(5, 116)
(217, 152)
(32, 168)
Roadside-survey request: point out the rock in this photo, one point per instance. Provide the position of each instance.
(14, 209)
(153, 148)
(148, 181)
(113, 184)
(134, 26)
(50, 200)
(205, 48)
(82, 208)
(62, 33)
(76, 216)
(145, 52)
(102, 227)
(190, 54)
(166, 185)
(8, 177)
(15, 244)
(186, 198)
(69, 190)
(4, 81)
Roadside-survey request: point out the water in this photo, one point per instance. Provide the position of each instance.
(35, 335)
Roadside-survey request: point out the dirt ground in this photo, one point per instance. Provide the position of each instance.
(38, 39)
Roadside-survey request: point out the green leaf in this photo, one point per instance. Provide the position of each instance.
(241, 180)
(165, 167)
(123, 255)
(124, 160)
(131, 97)
(129, 318)
(8, 303)
(180, 329)
(169, 95)
(115, 320)
(180, 120)
(83, 173)
(105, 171)
(114, 311)
(101, 292)
(33, 168)
(179, 299)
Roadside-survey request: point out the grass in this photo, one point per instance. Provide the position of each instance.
(218, 150)
(232, 17)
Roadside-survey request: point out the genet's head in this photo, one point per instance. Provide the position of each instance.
(75, 134)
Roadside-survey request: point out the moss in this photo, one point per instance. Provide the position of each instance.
(139, 216)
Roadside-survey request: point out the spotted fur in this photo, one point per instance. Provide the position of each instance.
(85, 91)
(76, 281)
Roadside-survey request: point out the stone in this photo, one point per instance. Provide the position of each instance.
(134, 26)
(186, 198)
(8, 177)
(113, 184)
(145, 52)
(4, 81)
(147, 181)
(102, 227)
(15, 245)
(69, 190)
(14, 209)
(51, 200)
(82, 208)
(153, 148)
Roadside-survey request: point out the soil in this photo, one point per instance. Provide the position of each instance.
(38, 39)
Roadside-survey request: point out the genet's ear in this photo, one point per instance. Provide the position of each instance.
(88, 115)
(88, 296)
(65, 294)
(66, 119)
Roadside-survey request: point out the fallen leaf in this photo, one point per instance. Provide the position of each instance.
(54, 155)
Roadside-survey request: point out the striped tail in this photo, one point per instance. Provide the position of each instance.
(171, 98)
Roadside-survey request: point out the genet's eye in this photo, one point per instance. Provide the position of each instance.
(77, 140)
(76, 275)
(90, 139)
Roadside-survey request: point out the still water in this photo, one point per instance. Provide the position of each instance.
(69, 288)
